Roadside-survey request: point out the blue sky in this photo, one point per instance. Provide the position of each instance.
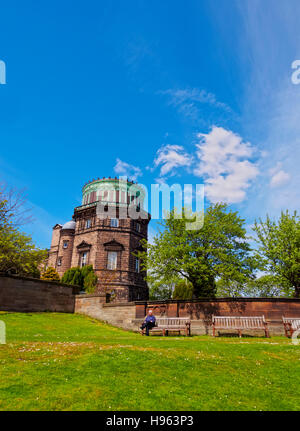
(173, 91)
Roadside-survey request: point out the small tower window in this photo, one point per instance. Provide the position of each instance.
(112, 257)
(138, 227)
(137, 264)
(65, 245)
(59, 261)
(114, 222)
(88, 223)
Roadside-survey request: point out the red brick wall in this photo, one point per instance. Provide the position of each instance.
(202, 310)
(28, 295)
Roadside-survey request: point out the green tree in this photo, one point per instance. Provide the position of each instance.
(183, 290)
(266, 286)
(18, 254)
(218, 249)
(50, 274)
(160, 292)
(279, 248)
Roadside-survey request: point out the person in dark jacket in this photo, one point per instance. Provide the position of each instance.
(148, 323)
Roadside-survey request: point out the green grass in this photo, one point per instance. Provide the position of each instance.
(58, 361)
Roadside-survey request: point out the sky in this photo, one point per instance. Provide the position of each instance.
(164, 92)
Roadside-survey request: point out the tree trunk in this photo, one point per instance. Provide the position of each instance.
(297, 292)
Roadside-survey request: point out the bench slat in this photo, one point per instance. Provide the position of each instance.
(239, 323)
(172, 324)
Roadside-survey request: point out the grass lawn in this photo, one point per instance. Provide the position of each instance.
(56, 361)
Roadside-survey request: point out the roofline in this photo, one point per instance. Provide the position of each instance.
(107, 179)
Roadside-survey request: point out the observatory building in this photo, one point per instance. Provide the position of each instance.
(105, 232)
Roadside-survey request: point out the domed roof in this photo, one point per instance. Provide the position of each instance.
(69, 225)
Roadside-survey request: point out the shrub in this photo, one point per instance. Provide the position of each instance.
(50, 274)
(69, 275)
(85, 270)
(90, 282)
(183, 290)
(78, 278)
(83, 277)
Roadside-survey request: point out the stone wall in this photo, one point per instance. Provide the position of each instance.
(25, 294)
(201, 311)
(117, 314)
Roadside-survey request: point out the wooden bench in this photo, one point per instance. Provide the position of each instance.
(169, 324)
(239, 323)
(291, 324)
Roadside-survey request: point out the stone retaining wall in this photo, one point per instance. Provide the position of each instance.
(117, 314)
(24, 294)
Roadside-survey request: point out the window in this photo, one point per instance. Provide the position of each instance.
(83, 259)
(59, 261)
(112, 257)
(114, 222)
(138, 227)
(65, 245)
(137, 264)
(88, 223)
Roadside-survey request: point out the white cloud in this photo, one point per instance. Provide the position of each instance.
(278, 176)
(224, 165)
(131, 171)
(170, 157)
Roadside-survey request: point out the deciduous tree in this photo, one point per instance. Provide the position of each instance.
(279, 248)
(219, 249)
(18, 254)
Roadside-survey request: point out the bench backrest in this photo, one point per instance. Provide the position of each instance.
(172, 321)
(294, 321)
(238, 322)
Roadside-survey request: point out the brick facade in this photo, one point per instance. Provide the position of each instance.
(90, 240)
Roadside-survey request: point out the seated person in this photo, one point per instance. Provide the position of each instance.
(148, 323)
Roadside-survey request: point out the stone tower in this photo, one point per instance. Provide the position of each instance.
(105, 232)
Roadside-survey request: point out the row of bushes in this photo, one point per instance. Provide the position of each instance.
(84, 277)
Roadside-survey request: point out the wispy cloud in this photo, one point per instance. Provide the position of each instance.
(188, 101)
(271, 96)
(131, 171)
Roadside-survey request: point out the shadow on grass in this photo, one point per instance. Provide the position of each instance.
(233, 335)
